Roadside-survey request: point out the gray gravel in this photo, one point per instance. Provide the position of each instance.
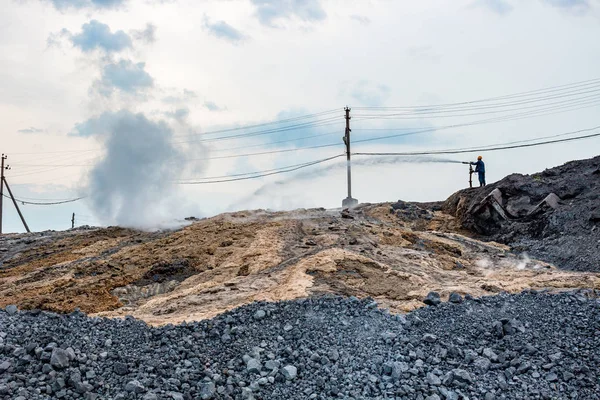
(526, 346)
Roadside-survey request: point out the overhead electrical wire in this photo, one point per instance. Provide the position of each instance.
(436, 114)
(312, 124)
(494, 147)
(591, 82)
(267, 152)
(264, 173)
(563, 91)
(480, 149)
(278, 142)
(37, 199)
(504, 118)
(225, 130)
(250, 173)
(498, 105)
(44, 204)
(280, 121)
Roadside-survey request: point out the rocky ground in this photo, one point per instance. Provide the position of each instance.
(553, 215)
(526, 346)
(259, 291)
(395, 253)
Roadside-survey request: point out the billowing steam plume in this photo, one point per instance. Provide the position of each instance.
(132, 184)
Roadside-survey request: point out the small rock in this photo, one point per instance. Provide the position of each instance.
(260, 314)
(524, 367)
(433, 379)
(551, 377)
(455, 298)
(263, 381)
(489, 353)
(432, 299)
(4, 366)
(462, 376)
(253, 366)
(490, 396)
(11, 309)
(429, 338)
(482, 363)
(120, 369)
(59, 358)
(207, 390)
(135, 387)
(289, 372)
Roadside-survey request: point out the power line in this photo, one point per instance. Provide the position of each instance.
(312, 124)
(436, 114)
(249, 173)
(233, 179)
(46, 204)
(591, 82)
(35, 199)
(503, 118)
(225, 130)
(471, 150)
(280, 121)
(497, 105)
(277, 142)
(266, 152)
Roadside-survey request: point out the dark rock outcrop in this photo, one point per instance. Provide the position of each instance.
(554, 215)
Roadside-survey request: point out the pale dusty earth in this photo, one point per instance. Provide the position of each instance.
(220, 263)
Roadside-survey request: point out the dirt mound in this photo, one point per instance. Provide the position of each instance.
(553, 215)
(395, 253)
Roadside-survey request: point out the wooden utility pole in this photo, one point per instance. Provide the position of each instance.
(73, 222)
(3, 183)
(1, 190)
(348, 202)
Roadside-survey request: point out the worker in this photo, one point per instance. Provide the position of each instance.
(480, 169)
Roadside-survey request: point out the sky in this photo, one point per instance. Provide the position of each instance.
(125, 102)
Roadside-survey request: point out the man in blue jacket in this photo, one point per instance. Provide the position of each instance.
(480, 169)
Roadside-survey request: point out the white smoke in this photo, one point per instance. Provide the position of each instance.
(132, 185)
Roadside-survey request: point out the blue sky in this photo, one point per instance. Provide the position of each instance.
(109, 99)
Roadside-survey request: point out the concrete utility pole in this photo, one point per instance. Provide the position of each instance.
(1, 190)
(3, 183)
(348, 202)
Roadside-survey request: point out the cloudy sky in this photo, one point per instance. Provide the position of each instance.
(126, 102)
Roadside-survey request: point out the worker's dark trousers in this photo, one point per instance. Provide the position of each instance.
(481, 178)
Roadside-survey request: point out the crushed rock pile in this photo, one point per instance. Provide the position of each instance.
(554, 215)
(526, 346)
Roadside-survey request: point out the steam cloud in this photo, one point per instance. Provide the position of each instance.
(132, 184)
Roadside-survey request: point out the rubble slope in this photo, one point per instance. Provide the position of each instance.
(395, 253)
(553, 215)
